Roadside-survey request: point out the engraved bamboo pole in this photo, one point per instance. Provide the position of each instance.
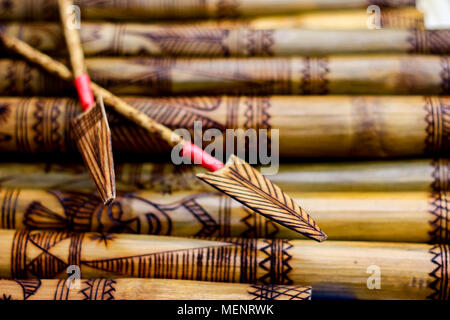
(374, 127)
(158, 9)
(366, 74)
(209, 41)
(424, 175)
(406, 18)
(332, 268)
(406, 216)
(146, 289)
(236, 178)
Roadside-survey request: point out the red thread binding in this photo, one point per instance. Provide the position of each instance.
(197, 155)
(83, 85)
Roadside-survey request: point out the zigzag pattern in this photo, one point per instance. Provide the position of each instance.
(314, 76)
(98, 289)
(437, 141)
(278, 292)
(440, 232)
(441, 176)
(440, 274)
(276, 263)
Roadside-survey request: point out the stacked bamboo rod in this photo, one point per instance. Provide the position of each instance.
(349, 74)
(362, 126)
(312, 73)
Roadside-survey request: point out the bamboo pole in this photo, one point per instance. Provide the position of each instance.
(370, 216)
(424, 175)
(393, 74)
(374, 127)
(333, 268)
(223, 41)
(159, 9)
(145, 289)
(406, 18)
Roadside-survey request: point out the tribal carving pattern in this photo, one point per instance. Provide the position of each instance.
(32, 256)
(439, 276)
(5, 111)
(44, 124)
(8, 205)
(429, 41)
(314, 76)
(21, 79)
(92, 289)
(445, 75)
(392, 3)
(243, 76)
(228, 9)
(267, 199)
(132, 213)
(276, 292)
(27, 288)
(173, 41)
(393, 20)
(437, 142)
(98, 289)
(41, 254)
(441, 176)
(439, 203)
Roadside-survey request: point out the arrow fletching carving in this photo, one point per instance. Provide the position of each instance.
(248, 186)
(93, 138)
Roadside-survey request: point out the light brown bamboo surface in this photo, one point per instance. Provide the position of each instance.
(146, 289)
(424, 175)
(367, 74)
(371, 216)
(340, 126)
(333, 268)
(158, 9)
(356, 19)
(108, 39)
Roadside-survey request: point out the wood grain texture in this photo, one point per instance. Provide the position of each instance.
(145, 289)
(356, 127)
(407, 216)
(248, 186)
(424, 175)
(144, 10)
(332, 268)
(93, 138)
(387, 74)
(107, 39)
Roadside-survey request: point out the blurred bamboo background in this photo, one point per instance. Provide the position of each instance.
(353, 95)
